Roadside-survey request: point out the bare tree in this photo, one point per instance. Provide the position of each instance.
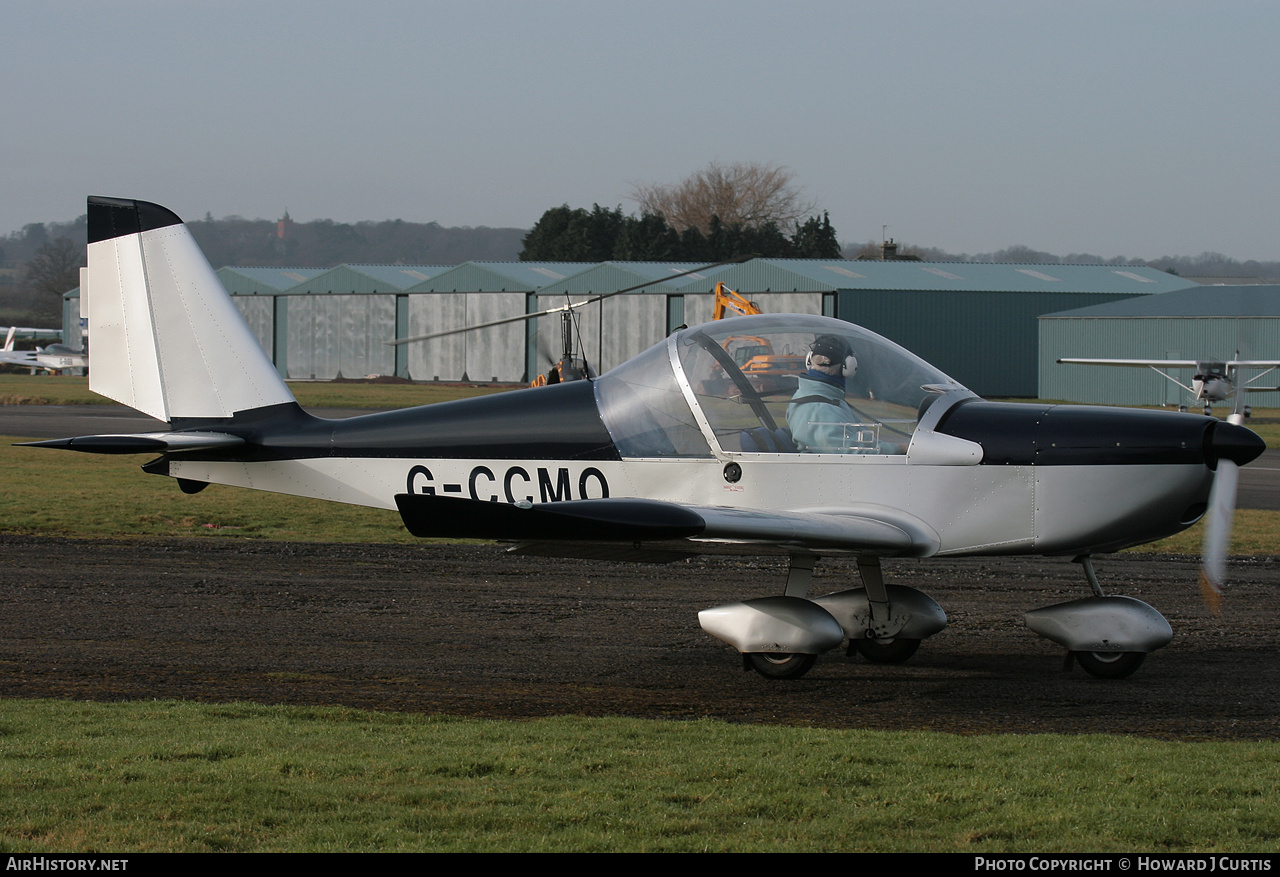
(749, 194)
(55, 269)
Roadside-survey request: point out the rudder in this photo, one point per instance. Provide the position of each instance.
(166, 338)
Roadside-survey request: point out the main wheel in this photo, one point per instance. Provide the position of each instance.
(780, 665)
(886, 651)
(1110, 665)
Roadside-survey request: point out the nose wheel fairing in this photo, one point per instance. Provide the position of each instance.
(1102, 625)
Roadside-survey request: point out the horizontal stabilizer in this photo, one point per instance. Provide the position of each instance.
(141, 443)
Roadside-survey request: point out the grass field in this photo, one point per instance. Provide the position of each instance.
(149, 777)
(134, 777)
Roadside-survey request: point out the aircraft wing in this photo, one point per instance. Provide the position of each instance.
(665, 526)
(18, 357)
(1137, 363)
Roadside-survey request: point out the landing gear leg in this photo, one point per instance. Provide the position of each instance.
(879, 650)
(800, 575)
(1086, 563)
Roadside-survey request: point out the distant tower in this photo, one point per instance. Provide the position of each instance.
(283, 245)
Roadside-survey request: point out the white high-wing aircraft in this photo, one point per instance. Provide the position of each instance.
(1213, 381)
(55, 357)
(676, 452)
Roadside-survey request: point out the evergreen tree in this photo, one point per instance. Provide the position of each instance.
(564, 234)
(647, 239)
(815, 240)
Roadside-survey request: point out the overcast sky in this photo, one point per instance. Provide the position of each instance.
(1121, 127)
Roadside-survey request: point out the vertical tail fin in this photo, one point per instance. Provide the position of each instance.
(166, 338)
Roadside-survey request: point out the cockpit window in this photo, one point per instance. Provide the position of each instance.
(757, 389)
(644, 410)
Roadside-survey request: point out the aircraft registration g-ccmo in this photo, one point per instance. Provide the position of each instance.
(871, 453)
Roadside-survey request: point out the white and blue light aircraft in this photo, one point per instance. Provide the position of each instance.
(674, 453)
(55, 357)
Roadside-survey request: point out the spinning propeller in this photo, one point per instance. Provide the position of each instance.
(1233, 445)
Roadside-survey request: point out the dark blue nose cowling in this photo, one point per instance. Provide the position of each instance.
(1226, 441)
(1076, 435)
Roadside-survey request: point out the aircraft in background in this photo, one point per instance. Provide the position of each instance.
(677, 452)
(55, 357)
(1213, 380)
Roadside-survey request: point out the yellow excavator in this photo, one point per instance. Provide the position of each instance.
(753, 355)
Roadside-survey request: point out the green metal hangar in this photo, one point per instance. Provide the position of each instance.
(1202, 323)
(977, 322)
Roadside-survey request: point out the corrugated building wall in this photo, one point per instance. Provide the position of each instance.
(1207, 323)
(975, 321)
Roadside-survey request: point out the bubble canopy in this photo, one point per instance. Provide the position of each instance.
(731, 384)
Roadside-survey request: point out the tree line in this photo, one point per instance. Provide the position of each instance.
(565, 234)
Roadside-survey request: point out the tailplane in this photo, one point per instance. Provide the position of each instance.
(167, 339)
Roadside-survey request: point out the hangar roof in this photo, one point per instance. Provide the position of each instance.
(756, 276)
(819, 275)
(1201, 301)
(611, 276)
(264, 281)
(499, 277)
(367, 279)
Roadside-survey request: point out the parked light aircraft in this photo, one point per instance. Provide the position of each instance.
(662, 458)
(55, 357)
(1213, 380)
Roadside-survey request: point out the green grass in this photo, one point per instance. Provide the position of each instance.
(1254, 532)
(165, 776)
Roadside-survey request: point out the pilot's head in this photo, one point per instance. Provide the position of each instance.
(831, 356)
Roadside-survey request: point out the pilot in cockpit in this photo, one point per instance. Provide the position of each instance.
(820, 420)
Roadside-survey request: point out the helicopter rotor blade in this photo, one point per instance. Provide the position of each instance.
(565, 307)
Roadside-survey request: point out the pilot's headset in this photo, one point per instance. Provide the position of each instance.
(836, 351)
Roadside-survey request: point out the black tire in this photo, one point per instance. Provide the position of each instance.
(1110, 665)
(889, 651)
(780, 665)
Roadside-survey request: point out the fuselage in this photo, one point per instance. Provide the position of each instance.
(979, 477)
